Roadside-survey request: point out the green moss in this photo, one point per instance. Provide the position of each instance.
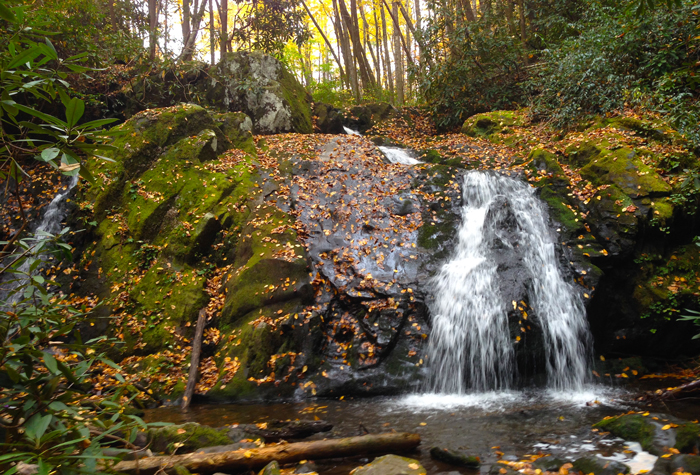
(298, 100)
(559, 211)
(630, 427)
(488, 123)
(688, 437)
(192, 436)
(272, 468)
(237, 127)
(582, 153)
(622, 168)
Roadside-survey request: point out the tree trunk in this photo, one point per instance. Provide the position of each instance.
(193, 29)
(152, 28)
(509, 10)
(325, 39)
(378, 46)
(397, 30)
(223, 20)
(347, 55)
(398, 64)
(212, 33)
(194, 362)
(358, 51)
(368, 44)
(251, 459)
(387, 62)
(523, 32)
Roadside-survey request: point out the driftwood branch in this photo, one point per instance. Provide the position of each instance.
(194, 362)
(250, 459)
(673, 393)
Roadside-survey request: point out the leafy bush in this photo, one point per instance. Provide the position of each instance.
(620, 59)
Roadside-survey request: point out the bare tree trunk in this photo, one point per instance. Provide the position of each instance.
(468, 12)
(223, 20)
(387, 61)
(325, 38)
(368, 44)
(212, 33)
(398, 64)
(347, 55)
(185, 20)
(194, 362)
(523, 31)
(378, 45)
(193, 29)
(152, 28)
(352, 27)
(509, 10)
(397, 30)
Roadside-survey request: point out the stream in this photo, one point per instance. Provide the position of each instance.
(505, 425)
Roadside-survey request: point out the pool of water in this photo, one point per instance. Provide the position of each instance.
(507, 425)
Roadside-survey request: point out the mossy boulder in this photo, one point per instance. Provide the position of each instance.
(329, 120)
(272, 468)
(455, 457)
(186, 438)
(238, 129)
(262, 87)
(599, 466)
(363, 117)
(688, 438)
(682, 463)
(391, 465)
(635, 427)
(489, 123)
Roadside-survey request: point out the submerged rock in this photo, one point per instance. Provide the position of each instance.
(455, 457)
(599, 466)
(391, 465)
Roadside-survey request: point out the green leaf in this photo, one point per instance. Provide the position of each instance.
(6, 13)
(49, 154)
(26, 56)
(85, 174)
(50, 363)
(49, 119)
(37, 425)
(96, 123)
(74, 111)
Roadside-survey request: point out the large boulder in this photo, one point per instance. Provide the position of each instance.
(250, 82)
(263, 88)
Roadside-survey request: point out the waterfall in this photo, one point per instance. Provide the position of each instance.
(50, 224)
(471, 348)
(398, 155)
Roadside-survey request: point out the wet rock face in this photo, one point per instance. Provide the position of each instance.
(363, 117)
(371, 273)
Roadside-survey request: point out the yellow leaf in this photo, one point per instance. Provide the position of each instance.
(413, 466)
(247, 454)
(424, 423)
(666, 427)
(602, 358)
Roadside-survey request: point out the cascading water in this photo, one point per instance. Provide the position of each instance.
(398, 155)
(470, 347)
(50, 224)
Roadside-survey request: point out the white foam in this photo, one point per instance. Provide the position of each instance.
(495, 400)
(398, 155)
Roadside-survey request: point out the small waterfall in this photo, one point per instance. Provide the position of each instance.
(50, 224)
(398, 155)
(349, 131)
(470, 347)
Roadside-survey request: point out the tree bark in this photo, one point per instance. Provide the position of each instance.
(152, 28)
(193, 29)
(223, 20)
(378, 46)
(387, 62)
(509, 10)
(398, 63)
(358, 51)
(251, 459)
(212, 33)
(194, 362)
(523, 31)
(347, 54)
(325, 39)
(368, 45)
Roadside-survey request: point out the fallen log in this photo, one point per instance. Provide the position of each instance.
(674, 393)
(250, 459)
